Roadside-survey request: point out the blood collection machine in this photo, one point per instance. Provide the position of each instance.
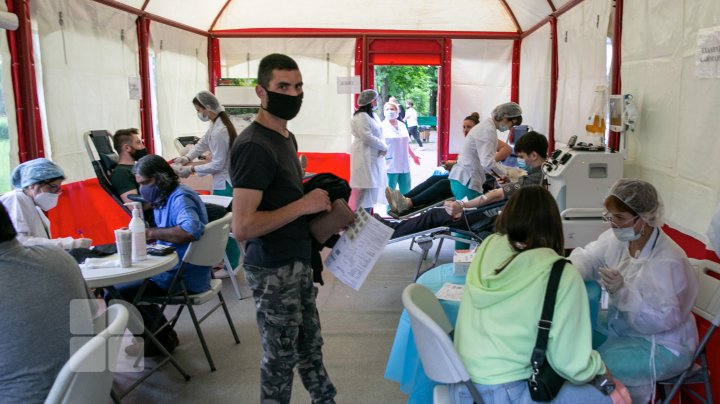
(579, 178)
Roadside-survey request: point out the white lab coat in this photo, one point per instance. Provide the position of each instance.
(477, 156)
(31, 224)
(397, 140)
(367, 167)
(658, 293)
(217, 141)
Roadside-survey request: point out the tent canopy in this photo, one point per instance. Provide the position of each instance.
(228, 16)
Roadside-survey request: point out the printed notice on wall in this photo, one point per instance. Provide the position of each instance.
(134, 88)
(358, 249)
(348, 85)
(707, 59)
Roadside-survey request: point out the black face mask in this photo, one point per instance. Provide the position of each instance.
(137, 154)
(283, 106)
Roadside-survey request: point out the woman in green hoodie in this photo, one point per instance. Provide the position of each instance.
(504, 293)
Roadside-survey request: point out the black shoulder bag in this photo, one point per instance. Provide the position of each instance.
(545, 383)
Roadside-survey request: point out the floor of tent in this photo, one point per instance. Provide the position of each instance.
(358, 329)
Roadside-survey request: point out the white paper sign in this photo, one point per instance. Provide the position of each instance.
(358, 249)
(707, 59)
(134, 88)
(450, 291)
(348, 85)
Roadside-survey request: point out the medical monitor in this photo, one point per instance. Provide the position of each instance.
(616, 106)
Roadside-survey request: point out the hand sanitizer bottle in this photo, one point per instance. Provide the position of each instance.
(137, 228)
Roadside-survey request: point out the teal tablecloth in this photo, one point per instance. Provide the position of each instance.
(404, 364)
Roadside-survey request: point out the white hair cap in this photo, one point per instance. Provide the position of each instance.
(209, 101)
(366, 97)
(507, 110)
(642, 197)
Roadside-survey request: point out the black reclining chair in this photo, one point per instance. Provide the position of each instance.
(103, 158)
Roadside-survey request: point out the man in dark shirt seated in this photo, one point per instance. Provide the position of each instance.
(532, 147)
(130, 148)
(180, 217)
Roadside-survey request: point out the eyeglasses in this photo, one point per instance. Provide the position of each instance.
(53, 188)
(609, 218)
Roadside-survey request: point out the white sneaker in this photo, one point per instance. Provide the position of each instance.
(420, 148)
(401, 202)
(390, 199)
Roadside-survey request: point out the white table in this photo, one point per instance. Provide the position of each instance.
(151, 266)
(109, 276)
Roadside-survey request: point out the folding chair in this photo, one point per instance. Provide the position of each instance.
(87, 376)
(207, 251)
(98, 144)
(707, 306)
(431, 327)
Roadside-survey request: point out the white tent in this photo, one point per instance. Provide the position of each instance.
(85, 53)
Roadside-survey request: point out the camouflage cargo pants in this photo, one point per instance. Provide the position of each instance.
(289, 328)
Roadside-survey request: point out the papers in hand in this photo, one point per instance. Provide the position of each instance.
(450, 291)
(355, 254)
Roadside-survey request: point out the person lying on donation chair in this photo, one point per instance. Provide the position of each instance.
(649, 329)
(180, 217)
(437, 187)
(497, 323)
(36, 190)
(532, 148)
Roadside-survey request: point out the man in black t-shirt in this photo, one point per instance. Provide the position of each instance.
(269, 216)
(130, 148)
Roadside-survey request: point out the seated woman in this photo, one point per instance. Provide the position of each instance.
(650, 330)
(507, 280)
(437, 187)
(36, 190)
(532, 147)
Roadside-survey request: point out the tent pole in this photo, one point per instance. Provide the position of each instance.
(515, 83)
(553, 82)
(615, 82)
(214, 68)
(445, 86)
(29, 125)
(146, 122)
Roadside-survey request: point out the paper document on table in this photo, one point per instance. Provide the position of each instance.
(223, 201)
(450, 291)
(358, 249)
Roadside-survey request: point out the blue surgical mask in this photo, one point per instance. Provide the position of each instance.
(391, 114)
(522, 164)
(625, 233)
(202, 117)
(151, 193)
(503, 128)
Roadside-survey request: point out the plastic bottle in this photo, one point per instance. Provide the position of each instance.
(137, 228)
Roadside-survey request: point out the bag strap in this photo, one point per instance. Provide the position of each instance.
(538, 355)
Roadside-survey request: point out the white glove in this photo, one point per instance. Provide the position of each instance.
(182, 171)
(81, 243)
(182, 160)
(514, 173)
(611, 279)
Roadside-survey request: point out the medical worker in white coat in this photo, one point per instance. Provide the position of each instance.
(36, 190)
(477, 155)
(367, 154)
(650, 330)
(217, 140)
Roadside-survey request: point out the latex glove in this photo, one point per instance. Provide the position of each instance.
(611, 279)
(416, 159)
(81, 243)
(182, 171)
(182, 160)
(514, 173)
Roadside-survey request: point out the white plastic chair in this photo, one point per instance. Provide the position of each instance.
(87, 376)
(207, 251)
(430, 328)
(707, 306)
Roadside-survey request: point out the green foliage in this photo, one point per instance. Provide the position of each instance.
(4, 165)
(416, 83)
(4, 133)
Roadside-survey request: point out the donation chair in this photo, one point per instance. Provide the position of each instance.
(207, 251)
(98, 144)
(182, 141)
(707, 306)
(431, 329)
(87, 376)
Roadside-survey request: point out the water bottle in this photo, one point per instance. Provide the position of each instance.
(137, 228)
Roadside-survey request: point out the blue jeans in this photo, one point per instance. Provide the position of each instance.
(517, 393)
